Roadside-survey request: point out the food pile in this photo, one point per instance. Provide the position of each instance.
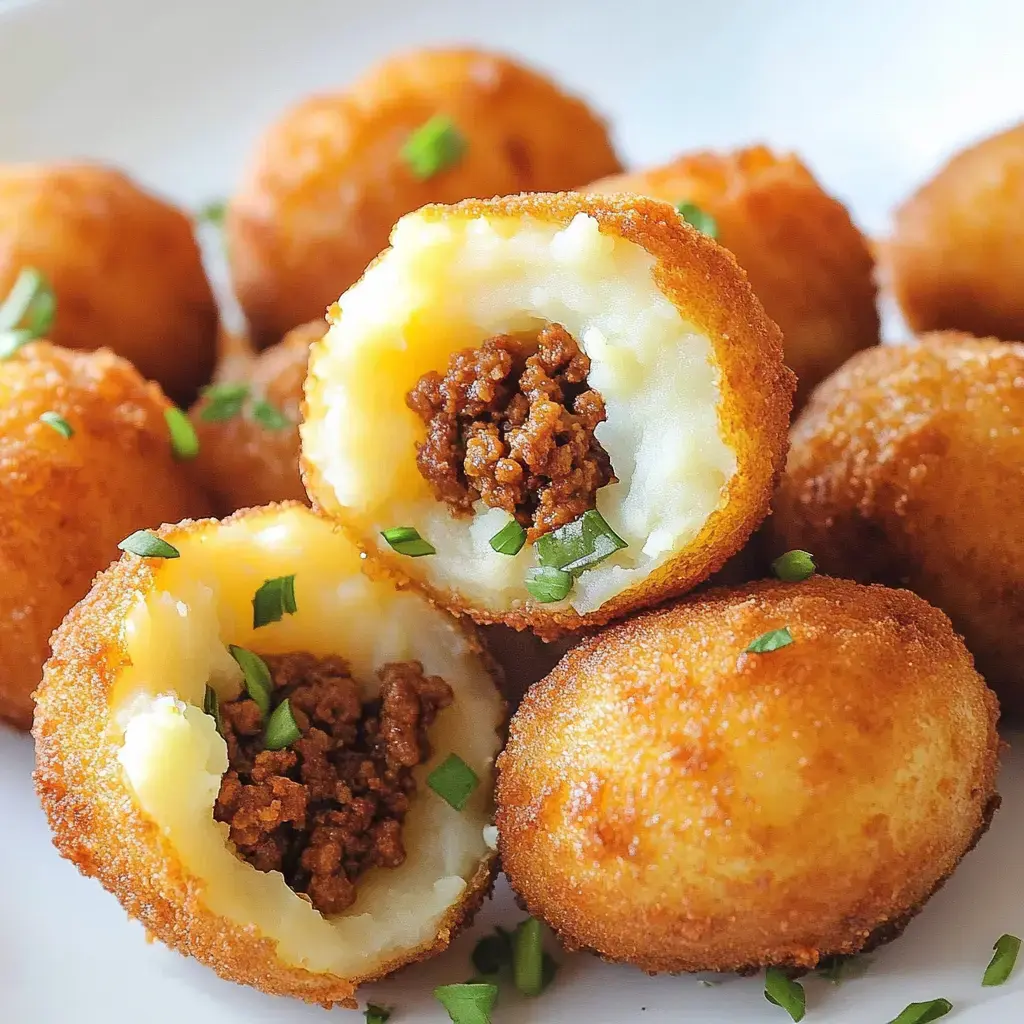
(538, 434)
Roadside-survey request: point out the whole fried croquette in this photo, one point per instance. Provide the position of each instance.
(247, 426)
(85, 459)
(547, 410)
(328, 181)
(907, 468)
(955, 260)
(805, 258)
(670, 799)
(237, 740)
(124, 265)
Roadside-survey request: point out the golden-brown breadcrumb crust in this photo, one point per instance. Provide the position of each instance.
(98, 826)
(704, 281)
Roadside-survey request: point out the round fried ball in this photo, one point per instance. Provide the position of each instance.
(124, 265)
(329, 179)
(69, 501)
(805, 258)
(129, 764)
(954, 259)
(248, 459)
(906, 469)
(670, 800)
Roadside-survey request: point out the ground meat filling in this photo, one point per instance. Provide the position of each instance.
(331, 805)
(512, 423)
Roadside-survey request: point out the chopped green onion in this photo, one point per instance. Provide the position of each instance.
(838, 969)
(700, 219)
(282, 729)
(794, 566)
(406, 540)
(922, 1013)
(453, 781)
(1001, 965)
(375, 1014)
(184, 441)
(471, 1003)
(274, 599)
(785, 992)
(148, 545)
(579, 545)
(532, 969)
(433, 147)
(269, 416)
(770, 641)
(61, 425)
(509, 540)
(212, 212)
(493, 952)
(27, 313)
(259, 683)
(223, 401)
(548, 584)
(211, 706)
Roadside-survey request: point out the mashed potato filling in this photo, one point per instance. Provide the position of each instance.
(450, 285)
(174, 758)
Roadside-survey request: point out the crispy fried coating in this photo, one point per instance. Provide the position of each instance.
(328, 180)
(242, 462)
(124, 265)
(955, 260)
(905, 468)
(669, 800)
(67, 502)
(805, 258)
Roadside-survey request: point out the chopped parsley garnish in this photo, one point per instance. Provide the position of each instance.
(184, 440)
(470, 1003)
(223, 401)
(579, 545)
(211, 706)
(453, 781)
(1003, 960)
(433, 147)
(282, 730)
(493, 952)
(148, 545)
(259, 683)
(770, 641)
(375, 1014)
(406, 540)
(700, 219)
(509, 540)
(274, 599)
(269, 416)
(785, 992)
(27, 313)
(921, 1013)
(58, 423)
(838, 969)
(548, 584)
(794, 566)
(212, 212)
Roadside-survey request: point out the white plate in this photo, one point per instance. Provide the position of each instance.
(872, 92)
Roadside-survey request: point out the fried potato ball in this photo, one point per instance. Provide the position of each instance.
(124, 265)
(905, 468)
(130, 767)
(67, 501)
(956, 256)
(671, 800)
(328, 181)
(805, 258)
(637, 445)
(251, 457)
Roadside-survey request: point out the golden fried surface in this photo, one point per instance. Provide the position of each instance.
(906, 468)
(328, 180)
(668, 800)
(125, 267)
(67, 502)
(806, 260)
(956, 256)
(241, 462)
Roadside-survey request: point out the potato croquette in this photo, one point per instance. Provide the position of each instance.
(330, 178)
(68, 500)
(278, 765)
(125, 267)
(806, 260)
(572, 406)
(955, 260)
(671, 800)
(906, 468)
(249, 449)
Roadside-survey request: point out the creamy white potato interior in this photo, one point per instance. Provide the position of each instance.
(444, 286)
(174, 758)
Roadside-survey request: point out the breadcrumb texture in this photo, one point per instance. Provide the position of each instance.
(670, 801)
(124, 265)
(328, 180)
(806, 260)
(128, 766)
(907, 468)
(67, 502)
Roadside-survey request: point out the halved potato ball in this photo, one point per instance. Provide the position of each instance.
(124, 265)
(328, 181)
(905, 468)
(954, 260)
(671, 799)
(571, 406)
(805, 258)
(85, 459)
(313, 824)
